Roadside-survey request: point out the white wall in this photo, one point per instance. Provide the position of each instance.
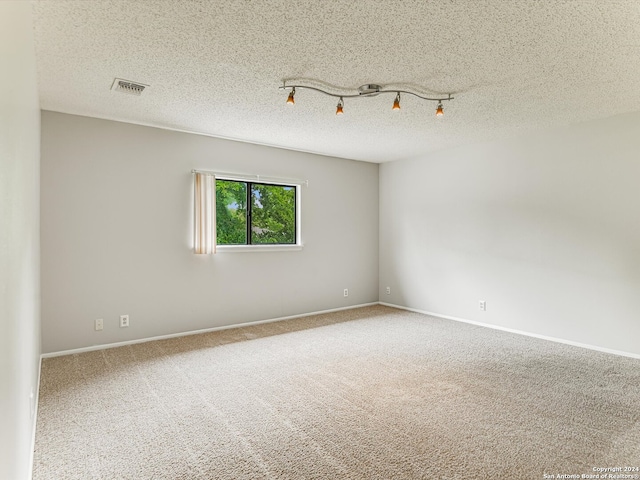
(544, 228)
(116, 234)
(19, 238)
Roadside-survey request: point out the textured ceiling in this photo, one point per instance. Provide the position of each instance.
(215, 67)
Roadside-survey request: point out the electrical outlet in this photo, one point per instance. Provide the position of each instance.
(124, 321)
(388, 290)
(483, 305)
(99, 324)
(346, 292)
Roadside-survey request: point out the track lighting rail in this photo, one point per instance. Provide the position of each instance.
(368, 93)
(367, 90)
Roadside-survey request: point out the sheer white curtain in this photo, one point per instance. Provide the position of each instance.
(204, 235)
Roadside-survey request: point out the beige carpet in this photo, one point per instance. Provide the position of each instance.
(371, 393)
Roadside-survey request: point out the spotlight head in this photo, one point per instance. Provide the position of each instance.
(339, 107)
(439, 110)
(290, 100)
(396, 102)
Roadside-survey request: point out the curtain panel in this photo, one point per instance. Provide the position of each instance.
(204, 235)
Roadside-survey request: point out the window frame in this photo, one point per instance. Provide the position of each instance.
(273, 247)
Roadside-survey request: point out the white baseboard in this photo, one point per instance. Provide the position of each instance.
(519, 332)
(35, 420)
(195, 332)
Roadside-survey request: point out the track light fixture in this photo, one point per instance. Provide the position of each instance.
(396, 102)
(367, 90)
(290, 100)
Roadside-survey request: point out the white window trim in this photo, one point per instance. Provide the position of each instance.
(258, 248)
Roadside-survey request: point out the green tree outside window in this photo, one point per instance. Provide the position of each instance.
(250, 213)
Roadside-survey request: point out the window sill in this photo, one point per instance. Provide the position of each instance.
(257, 248)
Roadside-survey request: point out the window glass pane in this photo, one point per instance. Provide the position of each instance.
(231, 212)
(273, 214)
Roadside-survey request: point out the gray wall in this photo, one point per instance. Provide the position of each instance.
(19, 238)
(117, 228)
(544, 228)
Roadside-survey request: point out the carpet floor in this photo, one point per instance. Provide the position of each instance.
(369, 393)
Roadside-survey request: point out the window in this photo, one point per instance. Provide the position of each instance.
(251, 213)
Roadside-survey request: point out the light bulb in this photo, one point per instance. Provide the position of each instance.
(396, 102)
(439, 110)
(290, 100)
(339, 107)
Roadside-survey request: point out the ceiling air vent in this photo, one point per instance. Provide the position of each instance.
(126, 86)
